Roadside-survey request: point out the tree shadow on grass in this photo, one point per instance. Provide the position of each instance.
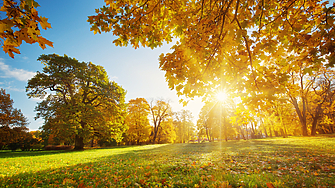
(15, 154)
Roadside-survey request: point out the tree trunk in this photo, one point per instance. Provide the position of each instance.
(301, 115)
(154, 138)
(92, 142)
(155, 135)
(315, 119)
(266, 134)
(314, 124)
(207, 134)
(246, 132)
(242, 132)
(79, 143)
(283, 128)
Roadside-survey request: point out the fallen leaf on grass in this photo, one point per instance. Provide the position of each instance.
(270, 185)
(67, 180)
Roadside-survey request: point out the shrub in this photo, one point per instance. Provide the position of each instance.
(58, 147)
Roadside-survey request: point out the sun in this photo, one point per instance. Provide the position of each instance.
(221, 96)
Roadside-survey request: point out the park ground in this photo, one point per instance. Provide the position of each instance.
(273, 162)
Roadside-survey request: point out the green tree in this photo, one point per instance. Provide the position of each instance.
(80, 101)
(21, 23)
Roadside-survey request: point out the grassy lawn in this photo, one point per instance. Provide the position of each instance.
(291, 162)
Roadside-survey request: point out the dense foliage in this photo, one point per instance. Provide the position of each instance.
(14, 133)
(262, 51)
(80, 102)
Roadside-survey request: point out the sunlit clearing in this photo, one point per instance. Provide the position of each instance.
(221, 96)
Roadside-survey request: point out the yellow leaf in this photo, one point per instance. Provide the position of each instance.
(67, 180)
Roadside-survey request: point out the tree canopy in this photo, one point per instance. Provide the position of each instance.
(13, 130)
(80, 102)
(261, 50)
(10, 116)
(137, 121)
(236, 40)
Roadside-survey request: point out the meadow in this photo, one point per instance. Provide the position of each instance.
(273, 162)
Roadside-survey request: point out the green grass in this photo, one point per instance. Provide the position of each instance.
(291, 162)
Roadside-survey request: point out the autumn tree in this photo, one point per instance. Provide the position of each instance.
(184, 126)
(323, 93)
(137, 121)
(21, 23)
(214, 121)
(257, 46)
(241, 119)
(80, 101)
(12, 122)
(10, 116)
(166, 133)
(204, 125)
(222, 40)
(160, 110)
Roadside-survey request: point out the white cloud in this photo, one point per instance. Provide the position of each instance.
(19, 74)
(10, 88)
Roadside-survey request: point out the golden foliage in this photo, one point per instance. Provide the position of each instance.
(21, 24)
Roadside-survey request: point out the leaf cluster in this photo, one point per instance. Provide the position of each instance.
(22, 23)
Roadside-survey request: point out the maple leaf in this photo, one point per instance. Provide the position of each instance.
(44, 23)
(43, 41)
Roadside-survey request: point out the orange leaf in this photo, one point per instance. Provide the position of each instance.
(42, 41)
(44, 23)
(270, 185)
(10, 50)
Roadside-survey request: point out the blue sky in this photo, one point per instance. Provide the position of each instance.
(137, 71)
